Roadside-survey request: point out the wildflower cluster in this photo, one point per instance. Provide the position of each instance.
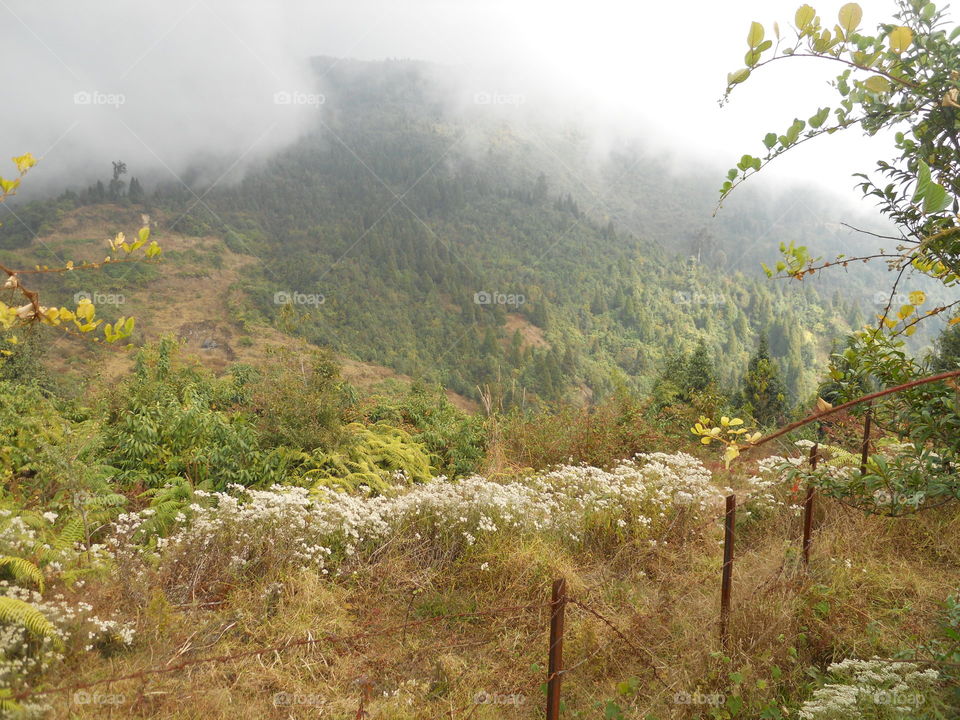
(241, 529)
(866, 689)
(24, 656)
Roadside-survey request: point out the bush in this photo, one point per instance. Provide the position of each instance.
(599, 436)
(455, 439)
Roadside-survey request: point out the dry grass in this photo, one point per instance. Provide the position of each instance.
(875, 586)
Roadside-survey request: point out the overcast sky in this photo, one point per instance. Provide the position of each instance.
(157, 83)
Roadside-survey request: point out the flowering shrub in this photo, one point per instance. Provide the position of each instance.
(884, 488)
(242, 530)
(872, 689)
(24, 654)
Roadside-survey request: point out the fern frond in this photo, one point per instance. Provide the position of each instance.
(22, 569)
(14, 610)
(70, 535)
(8, 705)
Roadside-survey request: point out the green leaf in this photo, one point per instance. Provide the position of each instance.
(612, 711)
(923, 181)
(769, 140)
(850, 16)
(935, 199)
(738, 77)
(755, 36)
(821, 117)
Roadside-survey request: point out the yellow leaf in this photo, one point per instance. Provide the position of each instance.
(24, 162)
(755, 36)
(877, 84)
(905, 311)
(954, 320)
(900, 38)
(850, 17)
(732, 452)
(917, 297)
(725, 421)
(910, 330)
(706, 440)
(85, 310)
(805, 15)
(736, 421)
(8, 186)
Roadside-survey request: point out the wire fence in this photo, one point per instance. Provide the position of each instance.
(549, 681)
(549, 616)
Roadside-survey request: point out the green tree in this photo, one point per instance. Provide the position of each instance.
(946, 355)
(902, 80)
(764, 393)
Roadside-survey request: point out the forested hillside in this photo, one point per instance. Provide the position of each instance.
(464, 248)
(452, 408)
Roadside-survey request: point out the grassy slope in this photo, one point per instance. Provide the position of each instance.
(874, 588)
(194, 294)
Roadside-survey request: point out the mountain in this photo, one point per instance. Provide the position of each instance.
(473, 248)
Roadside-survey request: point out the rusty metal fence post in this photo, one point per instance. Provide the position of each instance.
(865, 447)
(555, 665)
(808, 509)
(730, 521)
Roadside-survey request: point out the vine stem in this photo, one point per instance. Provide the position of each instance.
(857, 401)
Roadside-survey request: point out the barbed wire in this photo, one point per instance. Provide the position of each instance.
(274, 648)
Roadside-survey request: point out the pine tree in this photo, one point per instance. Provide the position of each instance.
(698, 375)
(135, 191)
(764, 394)
(947, 350)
